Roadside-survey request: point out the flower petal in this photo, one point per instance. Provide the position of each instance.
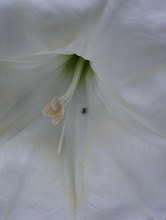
(26, 86)
(130, 56)
(104, 172)
(29, 27)
(124, 176)
(32, 182)
(35, 182)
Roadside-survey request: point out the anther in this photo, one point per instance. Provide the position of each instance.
(48, 110)
(55, 113)
(56, 104)
(58, 116)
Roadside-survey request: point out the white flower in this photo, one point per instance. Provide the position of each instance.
(110, 110)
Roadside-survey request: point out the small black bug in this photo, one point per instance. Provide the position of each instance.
(84, 110)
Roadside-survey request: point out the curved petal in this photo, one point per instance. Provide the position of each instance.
(124, 176)
(26, 86)
(29, 27)
(130, 56)
(35, 182)
(105, 171)
(32, 177)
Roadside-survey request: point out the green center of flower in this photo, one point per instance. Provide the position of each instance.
(56, 108)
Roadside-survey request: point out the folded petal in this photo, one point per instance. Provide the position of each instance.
(105, 171)
(32, 184)
(35, 182)
(124, 176)
(130, 56)
(26, 86)
(29, 27)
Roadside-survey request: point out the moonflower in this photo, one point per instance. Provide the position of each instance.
(97, 71)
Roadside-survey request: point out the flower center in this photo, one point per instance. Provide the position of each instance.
(56, 108)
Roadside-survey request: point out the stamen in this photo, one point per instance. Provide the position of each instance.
(62, 134)
(73, 198)
(48, 111)
(56, 115)
(70, 92)
(56, 108)
(56, 104)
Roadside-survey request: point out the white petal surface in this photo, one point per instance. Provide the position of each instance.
(105, 172)
(35, 26)
(35, 182)
(124, 176)
(26, 86)
(32, 184)
(114, 157)
(129, 54)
